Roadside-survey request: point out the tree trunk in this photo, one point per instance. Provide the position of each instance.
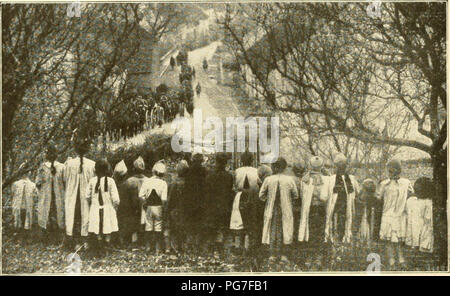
(439, 160)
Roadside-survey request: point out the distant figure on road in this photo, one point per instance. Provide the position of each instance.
(198, 89)
(193, 72)
(156, 116)
(205, 64)
(172, 62)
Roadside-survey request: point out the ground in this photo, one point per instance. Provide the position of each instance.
(40, 257)
(35, 258)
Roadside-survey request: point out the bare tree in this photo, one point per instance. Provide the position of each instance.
(58, 71)
(342, 72)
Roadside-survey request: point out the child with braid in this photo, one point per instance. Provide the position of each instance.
(103, 197)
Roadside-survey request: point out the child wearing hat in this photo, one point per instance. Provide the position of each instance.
(120, 176)
(130, 208)
(394, 193)
(153, 195)
(315, 192)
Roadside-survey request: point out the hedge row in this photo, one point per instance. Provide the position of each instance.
(154, 148)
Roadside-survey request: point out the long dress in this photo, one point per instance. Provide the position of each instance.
(194, 201)
(419, 228)
(394, 194)
(51, 195)
(130, 208)
(367, 216)
(76, 204)
(175, 219)
(341, 208)
(278, 191)
(249, 213)
(313, 210)
(102, 213)
(24, 194)
(218, 200)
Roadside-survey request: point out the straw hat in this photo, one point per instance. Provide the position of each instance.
(316, 162)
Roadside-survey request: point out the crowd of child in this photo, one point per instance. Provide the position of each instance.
(216, 211)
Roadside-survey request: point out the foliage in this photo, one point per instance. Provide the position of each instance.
(340, 77)
(155, 147)
(323, 71)
(62, 74)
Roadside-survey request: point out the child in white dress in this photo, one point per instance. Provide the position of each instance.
(24, 201)
(419, 229)
(103, 198)
(394, 193)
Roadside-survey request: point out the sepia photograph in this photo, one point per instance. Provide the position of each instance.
(224, 138)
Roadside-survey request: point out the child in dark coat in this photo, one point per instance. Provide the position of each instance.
(174, 211)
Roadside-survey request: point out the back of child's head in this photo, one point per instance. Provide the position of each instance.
(246, 158)
(182, 168)
(82, 146)
(221, 160)
(394, 167)
(369, 186)
(197, 159)
(279, 166)
(368, 192)
(52, 153)
(102, 170)
(264, 171)
(424, 188)
(299, 168)
(101, 167)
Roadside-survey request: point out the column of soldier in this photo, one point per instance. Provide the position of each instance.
(309, 215)
(132, 121)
